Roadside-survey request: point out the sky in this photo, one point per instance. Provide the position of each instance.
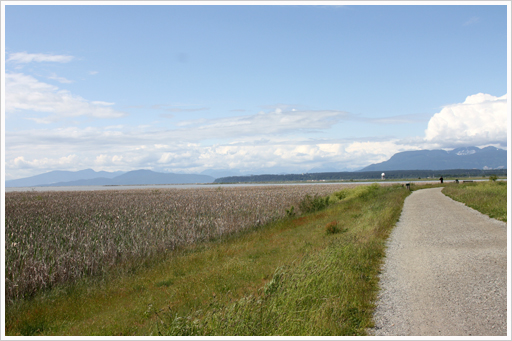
(248, 89)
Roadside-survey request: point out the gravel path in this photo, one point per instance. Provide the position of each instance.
(445, 271)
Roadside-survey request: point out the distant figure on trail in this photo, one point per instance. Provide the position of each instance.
(441, 179)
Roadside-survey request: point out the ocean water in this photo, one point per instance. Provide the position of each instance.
(212, 185)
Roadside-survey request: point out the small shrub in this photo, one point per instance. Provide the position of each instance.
(291, 212)
(369, 192)
(274, 284)
(341, 194)
(313, 204)
(493, 177)
(332, 228)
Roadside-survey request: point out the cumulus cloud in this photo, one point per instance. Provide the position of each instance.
(45, 162)
(24, 92)
(480, 120)
(24, 57)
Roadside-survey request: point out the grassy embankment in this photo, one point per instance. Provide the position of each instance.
(315, 274)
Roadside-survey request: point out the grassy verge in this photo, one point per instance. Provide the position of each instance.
(489, 197)
(315, 274)
(329, 291)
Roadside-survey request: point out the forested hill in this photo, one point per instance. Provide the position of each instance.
(370, 175)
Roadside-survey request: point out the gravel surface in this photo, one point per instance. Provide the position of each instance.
(445, 271)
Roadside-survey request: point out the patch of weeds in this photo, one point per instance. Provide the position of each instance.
(341, 194)
(179, 273)
(166, 283)
(313, 203)
(291, 212)
(333, 227)
(368, 192)
(356, 317)
(33, 327)
(277, 279)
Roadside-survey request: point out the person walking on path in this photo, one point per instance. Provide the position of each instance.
(445, 271)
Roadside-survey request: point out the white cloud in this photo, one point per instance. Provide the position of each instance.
(24, 92)
(60, 79)
(480, 120)
(45, 162)
(252, 142)
(399, 119)
(116, 148)
(277, 122)
(102, 103)
(23, 57)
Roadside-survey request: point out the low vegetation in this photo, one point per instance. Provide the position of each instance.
(301, 274)
(57, 237)
(329, 290)
(487, 197)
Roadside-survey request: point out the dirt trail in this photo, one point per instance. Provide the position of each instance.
(445, 271)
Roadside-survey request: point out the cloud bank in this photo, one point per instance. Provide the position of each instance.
(480, 120)
(24, 92)
(24, 57)
(274, 140)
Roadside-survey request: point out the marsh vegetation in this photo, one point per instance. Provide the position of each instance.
(57, 237)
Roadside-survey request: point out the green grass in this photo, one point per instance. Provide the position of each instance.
(289, 277)
(331, 290)
(487, 197)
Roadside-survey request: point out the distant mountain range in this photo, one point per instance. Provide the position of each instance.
(460, 158)
(89, 177)
(457, 159)
(60, 176)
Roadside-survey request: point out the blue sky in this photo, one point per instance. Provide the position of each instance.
(249, 88)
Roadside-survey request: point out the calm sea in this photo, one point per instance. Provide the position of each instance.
(212, 185)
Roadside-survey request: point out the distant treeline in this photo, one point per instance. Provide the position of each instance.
(372, 175)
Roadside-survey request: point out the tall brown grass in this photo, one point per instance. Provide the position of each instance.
(57, 237)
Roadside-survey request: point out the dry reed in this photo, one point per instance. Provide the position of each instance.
(57, 237)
